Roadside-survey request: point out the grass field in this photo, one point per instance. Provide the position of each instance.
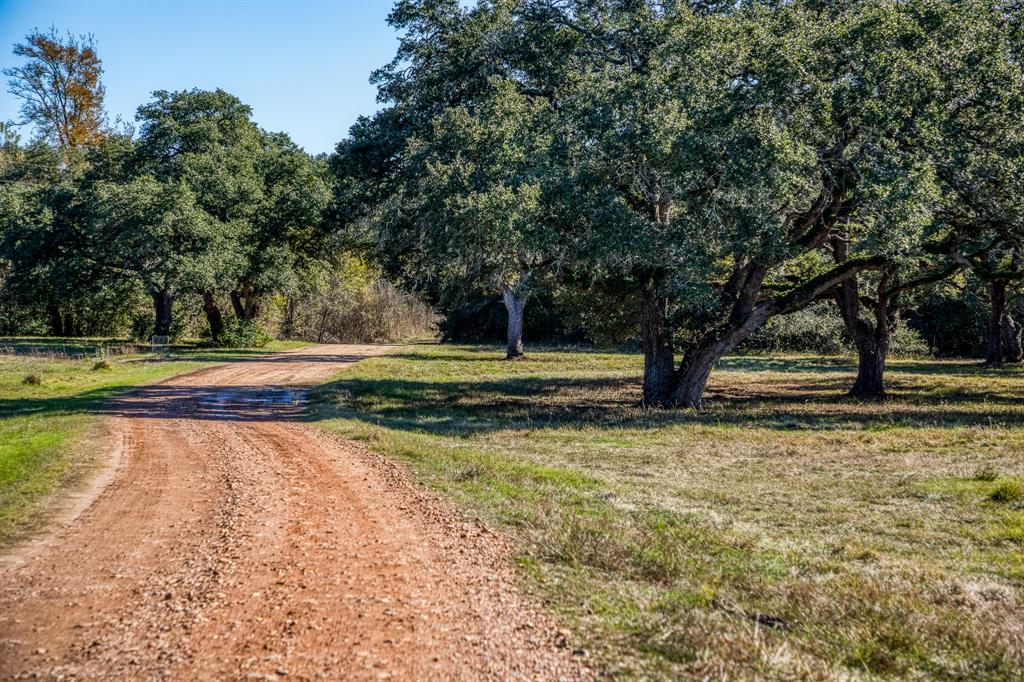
(783, 532)
(49, 390)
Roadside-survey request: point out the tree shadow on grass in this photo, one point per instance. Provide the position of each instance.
(470, 407)
(839, 364)
(466, 407)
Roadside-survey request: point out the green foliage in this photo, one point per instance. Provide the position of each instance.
(243, 334)
(816, 329)
(731, 162)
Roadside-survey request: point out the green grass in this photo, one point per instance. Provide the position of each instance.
(783, 532)
(45, 427)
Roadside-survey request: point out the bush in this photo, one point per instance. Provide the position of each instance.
(246, 334)
(101, 366)
(906, 342)
(1007, 491)
(815, 329)
(351, 302)
(33, 380)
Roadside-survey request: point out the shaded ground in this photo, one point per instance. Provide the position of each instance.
(238, 541)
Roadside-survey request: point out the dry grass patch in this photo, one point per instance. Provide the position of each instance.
(783, 532)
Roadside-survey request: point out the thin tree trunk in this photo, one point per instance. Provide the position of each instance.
(56, 320)
(69, 323)
(323, 322)
(288, 324)
(515, 305)
(213, 315)
(1012, 342)
(659, 353)
(994, 348)
(162, 304)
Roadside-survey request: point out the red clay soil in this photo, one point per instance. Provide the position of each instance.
(235, 541)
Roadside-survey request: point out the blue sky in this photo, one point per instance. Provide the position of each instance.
(302, 66)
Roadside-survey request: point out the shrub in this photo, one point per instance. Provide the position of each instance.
(1007, 491)
(246, 334)
(352, 303)
(815, 329)
(906, 342)
(33, 380)
(985, 473)
(101, 365)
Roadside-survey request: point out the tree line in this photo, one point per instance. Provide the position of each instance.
(681, 173)
(192, 202)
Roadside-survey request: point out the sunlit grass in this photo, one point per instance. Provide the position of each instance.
(785, 531)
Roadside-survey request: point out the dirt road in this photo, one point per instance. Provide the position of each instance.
(235, 541)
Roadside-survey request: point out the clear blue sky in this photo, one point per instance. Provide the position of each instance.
(303, 66)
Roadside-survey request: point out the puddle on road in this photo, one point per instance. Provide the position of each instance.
(262, 398)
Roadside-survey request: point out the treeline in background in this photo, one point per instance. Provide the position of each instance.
(192, 222)
(689, 178)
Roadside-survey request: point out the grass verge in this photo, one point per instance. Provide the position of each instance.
(49, 389)
(783, 532)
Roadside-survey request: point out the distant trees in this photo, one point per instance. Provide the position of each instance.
(201, 203)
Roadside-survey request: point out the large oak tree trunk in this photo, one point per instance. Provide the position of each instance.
(871, 357)
(997, 311)
(515, 305)
(659, 353)
(871, 337)
(694, 373)
(162, 304)
(213, 315)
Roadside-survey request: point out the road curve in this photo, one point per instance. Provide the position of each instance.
(236, 541)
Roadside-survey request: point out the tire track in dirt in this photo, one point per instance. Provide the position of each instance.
(237, 542)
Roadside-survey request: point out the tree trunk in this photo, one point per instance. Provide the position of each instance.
(870, 383)
(692, 380)
(323, 323)
(288, 324)
(213, 315)
(1012, 332)
(56, 320)
(69, 324)
(659, 353)
(237, 305)
(245, 303)
(515, 305)
(871, 337)
(162, 303)
(994, 348)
